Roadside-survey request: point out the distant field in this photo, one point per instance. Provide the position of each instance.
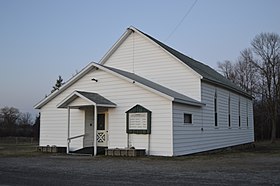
(17, 146)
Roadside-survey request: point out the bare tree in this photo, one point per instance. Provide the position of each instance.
(227, 69)
(242, 72)
(257, 71)
(9, 117)
(25, 119)
(266, 46)
(246, 73)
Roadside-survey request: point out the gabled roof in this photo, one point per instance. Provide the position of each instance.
(208, 73)
(96, 98)
(90, 97)
(179, 98)
(140, 81)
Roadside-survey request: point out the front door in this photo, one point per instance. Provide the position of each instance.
(101, 135)
(88, 139)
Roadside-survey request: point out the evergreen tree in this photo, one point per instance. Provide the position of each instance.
(58, 84)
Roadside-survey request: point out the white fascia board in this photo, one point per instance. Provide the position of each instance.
(67, 84)
(65, 99)
(194, 72)
(115, 46)
(134, 82)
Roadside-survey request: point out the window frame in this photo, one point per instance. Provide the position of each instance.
(190, 118)
(229, 111)
(247, 114)
(239, 113)
(216, 125)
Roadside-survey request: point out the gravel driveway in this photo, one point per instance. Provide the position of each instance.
(226, 169)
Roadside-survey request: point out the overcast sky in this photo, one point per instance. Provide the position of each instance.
(40, 40)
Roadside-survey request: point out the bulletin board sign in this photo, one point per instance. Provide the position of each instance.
(138, 120)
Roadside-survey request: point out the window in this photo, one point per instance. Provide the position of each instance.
(229, 121)
(215, 109)
(187, 118)
(247, 119)
(239, 110)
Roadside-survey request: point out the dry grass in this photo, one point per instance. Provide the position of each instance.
(13, 146)
(268, 147)
(28, 147)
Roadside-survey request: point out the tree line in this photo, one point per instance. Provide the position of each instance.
(15, 123)
(257, 71)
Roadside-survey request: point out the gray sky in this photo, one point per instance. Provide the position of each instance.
(40, 40)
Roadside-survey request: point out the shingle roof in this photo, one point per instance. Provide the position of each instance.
(208, 74)
(205, 71)
(93, 98)
(180, 98)
(96, 98)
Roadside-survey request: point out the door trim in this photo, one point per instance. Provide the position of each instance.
(102, 135)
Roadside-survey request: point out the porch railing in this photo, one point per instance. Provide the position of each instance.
(69, 141)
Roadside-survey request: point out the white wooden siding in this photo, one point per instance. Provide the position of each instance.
(191, 138)
(53, 126)
(125, 95)
(143, 57)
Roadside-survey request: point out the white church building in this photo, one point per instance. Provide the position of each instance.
(146, 95)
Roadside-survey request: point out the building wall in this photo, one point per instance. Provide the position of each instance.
(125, 95)
(53, 125)
(202, 135)
(145, 58)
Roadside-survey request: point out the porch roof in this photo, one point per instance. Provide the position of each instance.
(90, 98)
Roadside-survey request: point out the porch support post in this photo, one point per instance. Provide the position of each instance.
(95, 131)
(68, 129)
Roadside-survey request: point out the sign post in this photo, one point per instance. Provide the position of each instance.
(138, 121)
